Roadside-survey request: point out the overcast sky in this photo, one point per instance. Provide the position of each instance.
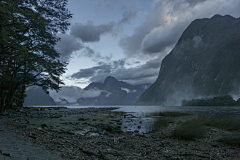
(128, 39)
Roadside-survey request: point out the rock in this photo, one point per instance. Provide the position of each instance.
(136, 131)
(43, 125)
(33, 137)
(40, 128)
(81, 119)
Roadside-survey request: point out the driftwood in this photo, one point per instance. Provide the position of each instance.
(5, 154)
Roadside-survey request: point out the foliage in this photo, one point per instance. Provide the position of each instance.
(190, 130)
(29, 31)
(161, 122)
(221, 122)
(232, 139)
(225, 100)
(169, 114)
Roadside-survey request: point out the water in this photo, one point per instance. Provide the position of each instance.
(135, 116)
(140, 110)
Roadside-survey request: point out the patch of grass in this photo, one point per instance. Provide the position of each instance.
(189, 130)
(161, 122)
(169, 114)
(221, 122)
(43, 108)
(232, 139)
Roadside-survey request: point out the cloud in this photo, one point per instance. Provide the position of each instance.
(72, 93)
(95, 56)
(89, 72)
(128, 15)
(146, 73)
(89, 32)
(166, 22)
(101, 3)
(67, 46)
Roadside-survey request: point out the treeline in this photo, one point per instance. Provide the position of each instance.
(225, 100)
(28, 35)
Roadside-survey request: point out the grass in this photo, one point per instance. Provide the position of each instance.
(169, 114)
(161, 122)
(43, 108)
(221, 122)
(232, 139)
(189, 130)
(196, 128)
(164, 118)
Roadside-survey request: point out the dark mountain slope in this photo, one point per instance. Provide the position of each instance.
(204, 62)
(114, 92)
(37, 96)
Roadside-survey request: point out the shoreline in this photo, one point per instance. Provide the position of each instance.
(95, 133)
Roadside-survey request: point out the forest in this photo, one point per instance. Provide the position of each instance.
(225, 100)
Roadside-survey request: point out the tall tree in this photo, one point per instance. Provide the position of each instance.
(29, 31)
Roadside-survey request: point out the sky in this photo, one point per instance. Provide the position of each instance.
(128, 39)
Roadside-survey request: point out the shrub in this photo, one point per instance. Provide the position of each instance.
(232, 139)
(221, 122)
(169, 114)
(189, 130)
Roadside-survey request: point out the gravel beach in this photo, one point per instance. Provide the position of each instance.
(96, 133)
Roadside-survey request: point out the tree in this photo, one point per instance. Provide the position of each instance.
(29, 31)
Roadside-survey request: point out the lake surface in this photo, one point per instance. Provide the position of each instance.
(140, 110)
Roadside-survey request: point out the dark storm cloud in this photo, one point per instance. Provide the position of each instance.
(160, 38)
(95, 56)
(128, 15)
(166, 22)
(141, 74)
(89, 32)
(89, 72)
(132, 44)
(103, 3)
(191, 3)
(67, 46)
(119, 63)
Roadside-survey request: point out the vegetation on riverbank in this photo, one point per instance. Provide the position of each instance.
(225, 100)
(190, 130)
(196, 127)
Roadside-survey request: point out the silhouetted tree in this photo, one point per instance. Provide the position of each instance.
(28, 31)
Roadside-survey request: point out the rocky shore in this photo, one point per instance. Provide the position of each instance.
(97, 133)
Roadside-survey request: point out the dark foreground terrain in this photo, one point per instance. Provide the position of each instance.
(95, 133)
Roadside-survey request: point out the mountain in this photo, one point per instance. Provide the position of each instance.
(94, 86)
(37, 96)
(113, 92)
(205, 62)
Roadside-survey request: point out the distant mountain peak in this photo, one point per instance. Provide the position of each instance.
(110, 78)
(218, 16)
(111, 83)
